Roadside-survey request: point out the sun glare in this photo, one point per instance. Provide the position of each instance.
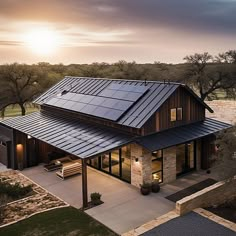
(42, 41)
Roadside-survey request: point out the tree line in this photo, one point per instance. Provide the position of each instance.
(204, 73)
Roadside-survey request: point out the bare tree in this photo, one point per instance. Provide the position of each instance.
(208, 77)
(18, 85)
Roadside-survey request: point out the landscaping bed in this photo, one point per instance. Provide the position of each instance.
(226, 210)
(21, 198)
(60, 222)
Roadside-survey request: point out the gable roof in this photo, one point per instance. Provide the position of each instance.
(137, 114)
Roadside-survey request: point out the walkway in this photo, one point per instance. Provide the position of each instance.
(124, 207)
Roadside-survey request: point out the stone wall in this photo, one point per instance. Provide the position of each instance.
(224, 110)
(169, 164)
(141, 170)
(212, 195)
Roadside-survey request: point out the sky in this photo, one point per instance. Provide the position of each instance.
(75, 31)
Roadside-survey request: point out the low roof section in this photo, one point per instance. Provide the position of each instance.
(182, 134)
(72, 136)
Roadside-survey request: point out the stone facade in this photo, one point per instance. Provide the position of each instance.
(169, 164)
(141, 170)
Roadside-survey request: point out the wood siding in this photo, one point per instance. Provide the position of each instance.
(193, 111)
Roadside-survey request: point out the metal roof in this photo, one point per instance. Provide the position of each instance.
(70, 135)
(138, 114)
(182, 134)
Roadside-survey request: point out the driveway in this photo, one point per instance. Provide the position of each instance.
(191, 224)
(124, 207)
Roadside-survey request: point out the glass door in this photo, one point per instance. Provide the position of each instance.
(185, 158)
(115, 162)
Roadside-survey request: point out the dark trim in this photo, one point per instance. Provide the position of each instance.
(84, 183)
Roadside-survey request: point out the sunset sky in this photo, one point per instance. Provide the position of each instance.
(75, 31)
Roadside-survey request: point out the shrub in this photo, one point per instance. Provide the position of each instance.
(95, 198)
(14, 190)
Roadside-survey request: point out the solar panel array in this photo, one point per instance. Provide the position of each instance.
(110, 104)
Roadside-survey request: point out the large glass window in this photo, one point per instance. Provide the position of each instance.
(95, 162)
(105, 162)
(157, 165)
(126, 163)
(180, 158)
(115, 162)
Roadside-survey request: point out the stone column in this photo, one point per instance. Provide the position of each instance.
(169, 164)
(141, 165)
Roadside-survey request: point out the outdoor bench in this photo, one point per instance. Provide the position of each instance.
(69, 170)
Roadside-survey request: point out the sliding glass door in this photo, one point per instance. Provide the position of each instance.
(116, 163)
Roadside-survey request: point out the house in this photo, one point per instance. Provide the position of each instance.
(136, 131)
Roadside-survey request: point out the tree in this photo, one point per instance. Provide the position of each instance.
(226, 143)
(207, 77)
(226, 57)
(19, 84)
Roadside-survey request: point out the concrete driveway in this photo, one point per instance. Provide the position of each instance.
(124, 207)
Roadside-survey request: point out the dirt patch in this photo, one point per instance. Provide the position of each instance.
(39, 200)
(226, 210)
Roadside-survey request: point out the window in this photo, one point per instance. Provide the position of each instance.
(180, 113)
(173, 114)
(176, 114)
(157, 165)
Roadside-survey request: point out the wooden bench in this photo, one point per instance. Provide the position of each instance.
(69, 170)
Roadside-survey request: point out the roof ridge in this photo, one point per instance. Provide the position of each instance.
(128, 80)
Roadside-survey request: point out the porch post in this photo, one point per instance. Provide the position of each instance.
(84, 183)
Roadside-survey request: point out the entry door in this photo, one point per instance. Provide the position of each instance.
(185, 158)
(32, 158)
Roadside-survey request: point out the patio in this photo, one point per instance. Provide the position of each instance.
(124, 207)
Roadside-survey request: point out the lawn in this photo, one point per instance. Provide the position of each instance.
(58, 222)
(16, 111)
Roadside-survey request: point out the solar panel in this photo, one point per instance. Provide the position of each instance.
(124, 92)
(110, 104)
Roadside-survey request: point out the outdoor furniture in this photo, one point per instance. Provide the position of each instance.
(69, 170)
(57, 164)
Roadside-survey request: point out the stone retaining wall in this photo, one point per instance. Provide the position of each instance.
(224, 110)
(212, 195)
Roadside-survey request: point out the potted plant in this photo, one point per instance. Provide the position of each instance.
(145, 188)
(95, 198)
(155, 186)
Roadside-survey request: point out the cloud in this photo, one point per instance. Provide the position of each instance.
(201, 15)
(10, 43)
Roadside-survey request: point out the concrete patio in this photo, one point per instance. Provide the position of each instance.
(124, 207)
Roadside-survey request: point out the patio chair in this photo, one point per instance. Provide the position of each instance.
(57, 164)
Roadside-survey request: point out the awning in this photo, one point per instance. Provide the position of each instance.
(183, 134)
(70, 135)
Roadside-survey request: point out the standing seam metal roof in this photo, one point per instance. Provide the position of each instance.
(182, 134)
(70, 135)
(137, 115)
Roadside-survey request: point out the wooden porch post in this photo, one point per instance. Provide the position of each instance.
(84, 183)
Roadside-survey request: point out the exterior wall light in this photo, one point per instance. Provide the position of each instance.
(136, 159)
(29, 137)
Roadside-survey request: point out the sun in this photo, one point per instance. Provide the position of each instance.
(42, 41)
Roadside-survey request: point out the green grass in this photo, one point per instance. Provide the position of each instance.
(16, 111)
(59, 222)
